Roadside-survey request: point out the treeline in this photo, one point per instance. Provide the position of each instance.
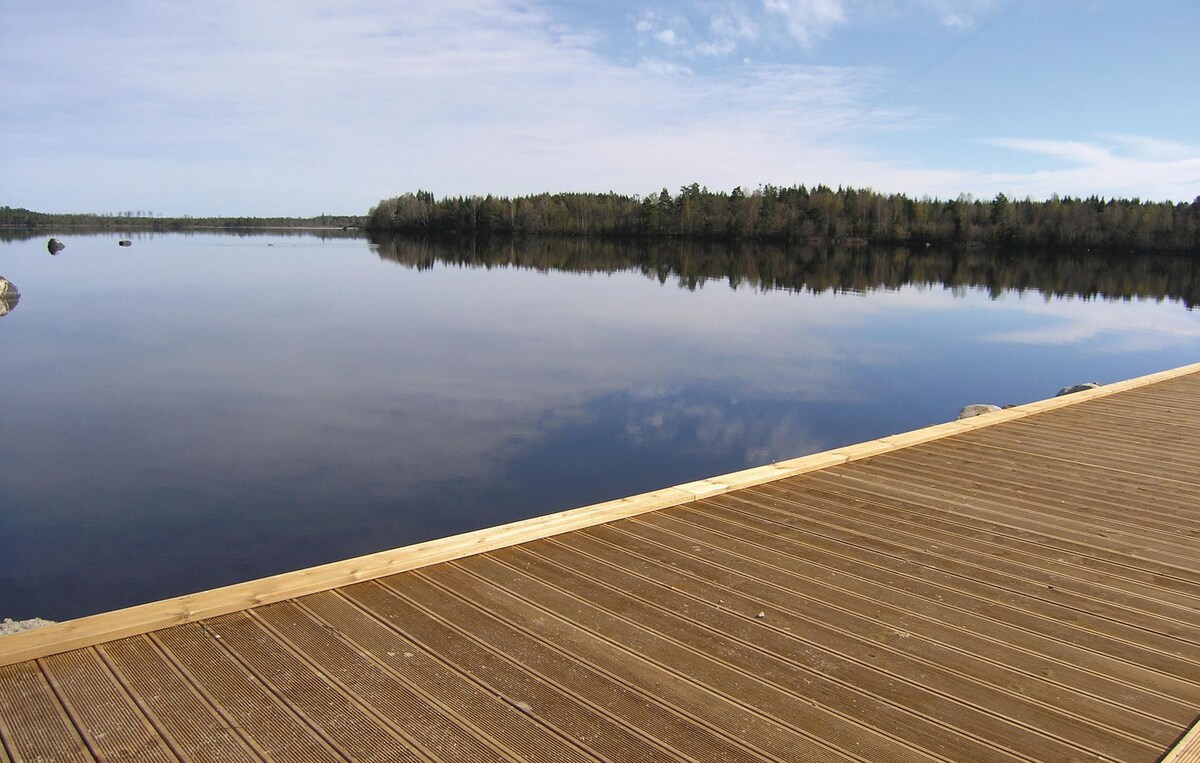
(19, 218)
(820, 269)
(800, 214)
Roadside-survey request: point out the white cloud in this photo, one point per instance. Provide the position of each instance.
(716, 47)
(1124, 165)
(1075, 152)
(807, 20)
(659, 66)
(1155, 148)
(720, 28)
(731, 21)
(730, 27)
(959, 14)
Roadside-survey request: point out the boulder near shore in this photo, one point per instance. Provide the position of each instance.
(9, 296)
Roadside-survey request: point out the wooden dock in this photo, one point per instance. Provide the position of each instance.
(1019, 586)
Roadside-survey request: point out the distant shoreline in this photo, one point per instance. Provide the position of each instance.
(20, 219)
(89, 227)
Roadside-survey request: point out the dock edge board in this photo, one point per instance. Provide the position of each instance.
(144, 618)
(1187, 749)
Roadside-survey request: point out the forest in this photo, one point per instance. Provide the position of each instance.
(799, 214)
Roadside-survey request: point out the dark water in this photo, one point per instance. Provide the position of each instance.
(198, 410)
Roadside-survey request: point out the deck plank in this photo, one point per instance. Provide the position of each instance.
(33, 722)
(113, 725)
(1132, 545)
(795, 636)
(985, 565)
(407, 712)
(932, 593)
(349, 722)
(1023, 554)
(459, 691)
(580, 702)
(1071, 489)
(789, 690)
(629, 655)
(1039, 610)
(852, 617)
(197, 729)
(266, 721)
(510, 628)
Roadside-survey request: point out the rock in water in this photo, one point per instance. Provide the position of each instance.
(9, 296)
(978, 409)
(1077, 388)
(54, 246)
(124, 242)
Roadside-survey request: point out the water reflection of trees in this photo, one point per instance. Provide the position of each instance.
(821, 269)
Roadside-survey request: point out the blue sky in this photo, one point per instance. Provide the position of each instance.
(301, 108)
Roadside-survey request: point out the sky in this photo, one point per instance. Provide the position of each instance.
(301, 108)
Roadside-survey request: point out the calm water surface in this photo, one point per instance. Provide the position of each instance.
(198, 410)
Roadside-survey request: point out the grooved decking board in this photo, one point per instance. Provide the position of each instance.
(106, 716)
(34, 725)
(258, 714)
(488, 706)
(546, 686)
(1020, 588)
(789, 639)
(846, 617)
(196, 728)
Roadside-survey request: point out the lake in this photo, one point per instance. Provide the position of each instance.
(197, 410)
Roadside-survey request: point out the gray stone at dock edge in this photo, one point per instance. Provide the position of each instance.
(978, 409)
(8, 625)
(1077, 388)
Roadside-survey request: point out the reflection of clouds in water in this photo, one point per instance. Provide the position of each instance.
(622, 443)
(482, 387)
(446, 374)
(449, 377)
(1113, 326)
(714, 426)
(430, 393)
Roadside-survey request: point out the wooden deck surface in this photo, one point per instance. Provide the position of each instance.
(1026, 590)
